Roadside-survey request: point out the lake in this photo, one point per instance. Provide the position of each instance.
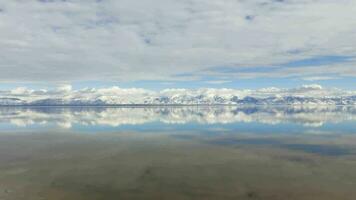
(178, 152)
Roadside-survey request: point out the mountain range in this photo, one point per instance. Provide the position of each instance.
(66, 96)
(184, 100)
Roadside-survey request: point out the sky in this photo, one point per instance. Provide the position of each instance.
(159, 44)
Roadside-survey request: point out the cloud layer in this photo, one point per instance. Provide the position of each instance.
(125, 40)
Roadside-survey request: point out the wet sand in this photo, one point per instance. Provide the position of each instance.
(73, 166)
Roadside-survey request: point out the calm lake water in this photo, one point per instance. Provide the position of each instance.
(192, 152)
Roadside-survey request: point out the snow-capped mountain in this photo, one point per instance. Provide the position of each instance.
(309, 94)
(11, 101)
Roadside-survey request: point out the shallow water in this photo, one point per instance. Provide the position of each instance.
(204, 152)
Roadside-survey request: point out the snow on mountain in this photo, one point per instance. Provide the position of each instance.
(308, 94)
(11, 101)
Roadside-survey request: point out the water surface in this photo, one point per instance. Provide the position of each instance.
(194, 152)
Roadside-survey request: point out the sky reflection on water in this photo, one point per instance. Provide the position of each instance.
(256, 119)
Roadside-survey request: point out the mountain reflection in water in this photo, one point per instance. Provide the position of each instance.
(68, 117)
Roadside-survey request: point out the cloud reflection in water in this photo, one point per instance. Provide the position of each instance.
(67, 117)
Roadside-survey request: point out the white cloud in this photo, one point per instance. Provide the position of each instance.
(217, 82)
(64, 88)
(157, 39)
(318, 78)
(311, 87)
(21, 91)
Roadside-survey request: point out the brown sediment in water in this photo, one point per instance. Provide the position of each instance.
(121, 166)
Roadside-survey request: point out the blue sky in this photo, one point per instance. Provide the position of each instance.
(157, 44)
(211, 81)
(328, 80)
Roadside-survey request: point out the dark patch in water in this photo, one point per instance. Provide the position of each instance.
(254, 141)
(324, 150)
(298, 159)
(252, 195)
(147, 175)
(184, 137)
